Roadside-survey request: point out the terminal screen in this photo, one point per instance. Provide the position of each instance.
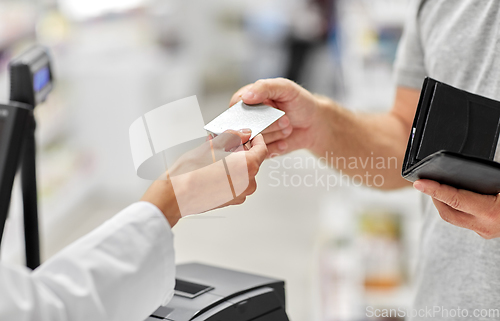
(41, 78)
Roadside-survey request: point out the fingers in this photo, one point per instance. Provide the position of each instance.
(459, 199)
(277, 148)
(277, 135)
(296, 140)
(487, 229)
(244, 134)
(231, 139)
(455, 217)
(479, 213)
(278, 89)
(281, 124)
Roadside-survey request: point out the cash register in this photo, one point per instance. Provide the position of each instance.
(208, 293)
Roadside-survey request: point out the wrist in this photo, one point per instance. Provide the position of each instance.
(161, 194)
(324, 107)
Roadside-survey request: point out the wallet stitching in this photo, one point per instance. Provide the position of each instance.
(466, 129)
(422, 131)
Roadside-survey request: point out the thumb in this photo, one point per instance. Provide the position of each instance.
(278, 89)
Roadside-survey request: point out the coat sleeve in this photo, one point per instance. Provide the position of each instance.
(121, 271)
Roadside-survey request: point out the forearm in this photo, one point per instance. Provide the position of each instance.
(368, 147)
(121, 271)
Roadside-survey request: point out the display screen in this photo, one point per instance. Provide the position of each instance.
(41, 78)
(190, 290)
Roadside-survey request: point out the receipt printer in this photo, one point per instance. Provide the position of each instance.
(207, 293)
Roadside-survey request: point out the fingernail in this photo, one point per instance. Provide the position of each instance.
(418, 186)
(283, 122)
(287, 131)
(245, 131)
(282, 145)
(248, 95)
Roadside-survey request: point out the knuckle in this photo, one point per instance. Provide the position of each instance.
(252, 187)
(434, 194)
(493, 212)
(266, 149)
(491, 217)
(287, 131)
(236, 201)
(284, 80)
(261, 82)
(485, 233)
(454, 201)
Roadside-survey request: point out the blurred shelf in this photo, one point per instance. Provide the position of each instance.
(386, 12)
(17, 23)
(369, 35)
(390, 298)
(52, 121)
(55, 207)
(62, 202)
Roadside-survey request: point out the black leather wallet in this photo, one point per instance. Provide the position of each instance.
(454, 139)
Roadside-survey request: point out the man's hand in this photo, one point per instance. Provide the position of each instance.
(293, 131)
(197, 182)
(476, 212)
(330, 131)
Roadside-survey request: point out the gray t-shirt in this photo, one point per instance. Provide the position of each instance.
(457, 42)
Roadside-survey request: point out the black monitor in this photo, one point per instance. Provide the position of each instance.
(31, 77)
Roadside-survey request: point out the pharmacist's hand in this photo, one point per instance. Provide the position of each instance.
(476, 212)
(296, 129)
(198, 180)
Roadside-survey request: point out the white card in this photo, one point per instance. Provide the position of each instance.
(240, 115)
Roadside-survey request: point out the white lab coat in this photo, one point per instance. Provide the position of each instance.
(121, 271)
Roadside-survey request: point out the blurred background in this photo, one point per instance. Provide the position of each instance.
(339, 249)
